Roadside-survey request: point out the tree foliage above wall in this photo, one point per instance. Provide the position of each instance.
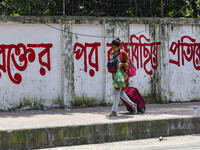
(124, 8)
(30, 7)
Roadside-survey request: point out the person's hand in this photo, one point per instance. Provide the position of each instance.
(119, 65)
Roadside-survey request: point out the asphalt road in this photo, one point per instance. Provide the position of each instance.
(188, 142)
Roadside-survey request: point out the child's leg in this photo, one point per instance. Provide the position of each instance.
(126, 98)
(116, 102)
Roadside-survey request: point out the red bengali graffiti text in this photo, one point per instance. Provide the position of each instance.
(81, 50)
(185, 51)
(142, 51)
(19, 56)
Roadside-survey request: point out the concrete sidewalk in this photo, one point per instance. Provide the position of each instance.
(57, 127)
(32, 119)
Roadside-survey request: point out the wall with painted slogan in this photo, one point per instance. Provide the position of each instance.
(40, 63)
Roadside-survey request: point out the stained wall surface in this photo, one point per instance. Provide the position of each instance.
(53, 62)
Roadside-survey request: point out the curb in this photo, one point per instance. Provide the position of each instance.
(97, 133)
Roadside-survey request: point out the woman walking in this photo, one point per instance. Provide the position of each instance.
(123, 66)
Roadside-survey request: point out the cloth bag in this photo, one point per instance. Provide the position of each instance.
(119, 79)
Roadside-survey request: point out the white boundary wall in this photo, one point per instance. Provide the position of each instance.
(52, 65)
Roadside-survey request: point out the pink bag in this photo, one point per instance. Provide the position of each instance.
(131, 69)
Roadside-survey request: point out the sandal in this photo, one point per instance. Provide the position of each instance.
(134, 108)
(113, 114)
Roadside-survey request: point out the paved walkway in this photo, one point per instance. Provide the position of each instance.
(32, 119)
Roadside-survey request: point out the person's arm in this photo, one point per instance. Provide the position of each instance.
(126, 61)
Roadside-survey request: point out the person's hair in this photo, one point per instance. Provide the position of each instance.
(116, 42)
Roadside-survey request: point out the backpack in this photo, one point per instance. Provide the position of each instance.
(132, 69)
(112, 65)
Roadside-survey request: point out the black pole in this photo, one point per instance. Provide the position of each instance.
(161, 8)
(194, 6)
(63, 7)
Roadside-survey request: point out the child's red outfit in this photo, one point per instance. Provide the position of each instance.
(124, 67)
(119, 92)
